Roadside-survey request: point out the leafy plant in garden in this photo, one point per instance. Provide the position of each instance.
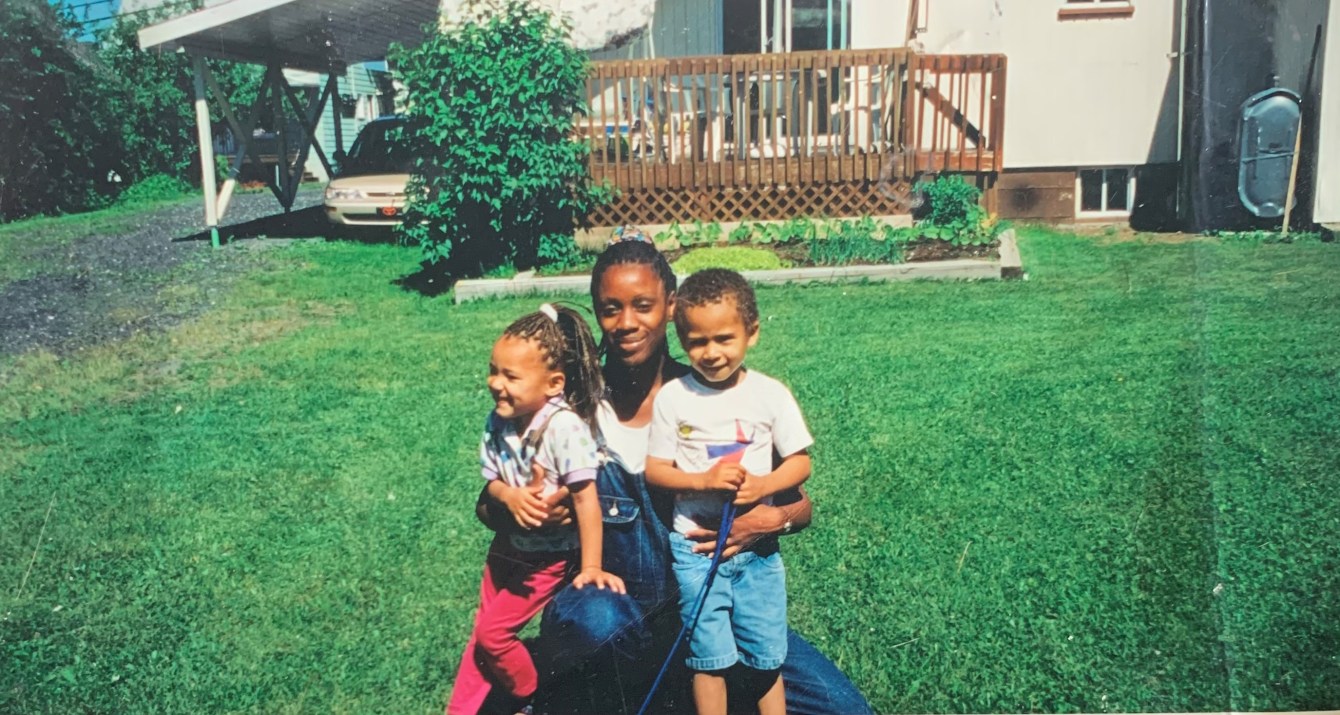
(491, 105)
(954, 212)
(863, 240)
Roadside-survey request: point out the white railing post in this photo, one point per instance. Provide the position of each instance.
(206, 139)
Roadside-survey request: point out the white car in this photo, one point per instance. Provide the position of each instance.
(369, 189)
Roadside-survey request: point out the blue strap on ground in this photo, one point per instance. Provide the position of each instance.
(723, 532)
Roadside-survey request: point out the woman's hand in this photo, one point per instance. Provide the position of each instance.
(600, 578)
(747, 528)
(791, 514)
(558, 508)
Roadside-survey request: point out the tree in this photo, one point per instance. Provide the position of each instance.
(59, 139)
(491, 104)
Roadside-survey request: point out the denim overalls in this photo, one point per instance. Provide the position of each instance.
(599, 651)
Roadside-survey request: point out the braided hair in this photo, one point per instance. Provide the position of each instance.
(568, 347)
(635, 252)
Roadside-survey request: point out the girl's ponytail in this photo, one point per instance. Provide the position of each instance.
(566, 340)
(581, 365)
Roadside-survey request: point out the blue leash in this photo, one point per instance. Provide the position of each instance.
(723, 532)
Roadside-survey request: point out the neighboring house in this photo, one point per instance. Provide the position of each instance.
(1100, 104)
(364, 93)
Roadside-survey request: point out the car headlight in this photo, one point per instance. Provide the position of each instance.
(334, 193)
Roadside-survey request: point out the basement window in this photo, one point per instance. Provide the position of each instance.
(1104, 192)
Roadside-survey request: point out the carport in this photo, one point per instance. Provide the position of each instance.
(322, 36)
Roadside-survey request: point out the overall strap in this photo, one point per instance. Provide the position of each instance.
(531, 443)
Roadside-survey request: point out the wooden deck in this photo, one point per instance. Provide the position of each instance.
(774, 136)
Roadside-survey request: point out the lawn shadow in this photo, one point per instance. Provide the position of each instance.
(304, 223)
(430, 281)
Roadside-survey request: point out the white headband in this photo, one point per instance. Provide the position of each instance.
(550, 311)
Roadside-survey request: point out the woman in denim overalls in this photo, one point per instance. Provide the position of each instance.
(599, 651)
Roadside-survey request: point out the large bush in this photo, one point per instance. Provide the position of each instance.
(82, 120)
(491, 103)
(54, 114)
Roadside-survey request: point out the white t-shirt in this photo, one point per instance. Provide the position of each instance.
(696, 426)
(623, 444)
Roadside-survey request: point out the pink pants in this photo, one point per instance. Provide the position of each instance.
(515, 588)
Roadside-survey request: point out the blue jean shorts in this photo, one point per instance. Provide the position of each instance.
(743, 618)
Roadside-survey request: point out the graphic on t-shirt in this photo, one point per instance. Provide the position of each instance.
(731, 452)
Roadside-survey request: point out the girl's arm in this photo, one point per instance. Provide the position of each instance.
(791, 473)
(586, 502)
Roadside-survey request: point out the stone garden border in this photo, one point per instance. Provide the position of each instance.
(1008, 266)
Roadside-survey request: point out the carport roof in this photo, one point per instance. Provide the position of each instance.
(317, 35)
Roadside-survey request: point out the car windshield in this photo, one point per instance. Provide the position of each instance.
(376, 152)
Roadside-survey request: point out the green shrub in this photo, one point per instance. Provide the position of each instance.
(954, 212)
(159, 187)
(491, 107)
(736, 258)
(75, 113)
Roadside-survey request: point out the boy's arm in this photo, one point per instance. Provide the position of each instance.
(790, 474)
(586, 502)
(721, 477)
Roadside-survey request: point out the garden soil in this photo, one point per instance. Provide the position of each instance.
(111, 286)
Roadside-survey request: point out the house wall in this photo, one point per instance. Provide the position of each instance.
(680, 28)
(1080, 92)
(1326, 208)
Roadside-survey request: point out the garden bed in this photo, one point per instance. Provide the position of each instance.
(994, 260)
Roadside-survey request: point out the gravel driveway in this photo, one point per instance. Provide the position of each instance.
(109, 286)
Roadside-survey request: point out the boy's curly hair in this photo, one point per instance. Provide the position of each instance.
(713, 285)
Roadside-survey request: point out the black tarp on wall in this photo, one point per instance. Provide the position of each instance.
(1236, 48)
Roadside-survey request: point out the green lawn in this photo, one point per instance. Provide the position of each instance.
(1111, 487)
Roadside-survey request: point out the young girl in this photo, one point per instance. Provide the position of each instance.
(545, 380)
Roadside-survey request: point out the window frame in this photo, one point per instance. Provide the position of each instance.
(1105, 211)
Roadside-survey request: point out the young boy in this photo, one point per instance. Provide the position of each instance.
(713, 434)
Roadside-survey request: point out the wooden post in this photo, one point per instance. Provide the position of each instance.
(206, 139)
(1293, 175)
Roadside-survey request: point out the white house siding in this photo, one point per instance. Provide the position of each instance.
(878, 23)
(1080, 92)
(681, 28)
(1326, 207)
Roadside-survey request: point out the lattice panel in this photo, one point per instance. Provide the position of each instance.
(662, 206)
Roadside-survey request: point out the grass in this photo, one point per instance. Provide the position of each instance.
(1107, 488)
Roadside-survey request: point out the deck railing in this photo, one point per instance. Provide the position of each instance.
(794, 118)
